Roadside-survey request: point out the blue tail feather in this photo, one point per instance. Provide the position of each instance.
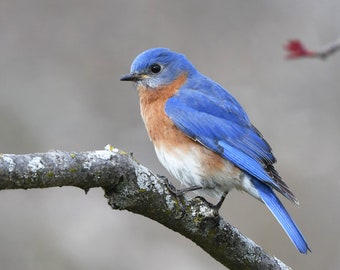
(278, 210)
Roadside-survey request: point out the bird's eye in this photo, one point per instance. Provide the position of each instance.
(155, 68)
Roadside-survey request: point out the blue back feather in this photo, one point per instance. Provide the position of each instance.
(219, 122)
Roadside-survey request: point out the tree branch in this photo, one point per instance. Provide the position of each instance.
(130, 186)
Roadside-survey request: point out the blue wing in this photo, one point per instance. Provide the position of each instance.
(209, 114)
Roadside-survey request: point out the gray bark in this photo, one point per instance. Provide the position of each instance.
(130, 186)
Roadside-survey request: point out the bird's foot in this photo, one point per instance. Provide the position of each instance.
(217, 206)
(174, 190)
(178, 192)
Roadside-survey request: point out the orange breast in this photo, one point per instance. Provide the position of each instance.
(162, 131)
(152, 105)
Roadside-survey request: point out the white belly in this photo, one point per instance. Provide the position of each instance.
(189, 168)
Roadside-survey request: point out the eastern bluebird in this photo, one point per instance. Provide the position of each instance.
(203, 137)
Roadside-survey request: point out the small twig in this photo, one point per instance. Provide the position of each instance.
(296, 50)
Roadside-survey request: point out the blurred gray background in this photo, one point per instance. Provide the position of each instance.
(60, 64)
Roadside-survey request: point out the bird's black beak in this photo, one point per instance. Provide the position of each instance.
(133, 77)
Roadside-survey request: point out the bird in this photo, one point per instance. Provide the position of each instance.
(203, 136)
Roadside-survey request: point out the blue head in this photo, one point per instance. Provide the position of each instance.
(158, 66)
